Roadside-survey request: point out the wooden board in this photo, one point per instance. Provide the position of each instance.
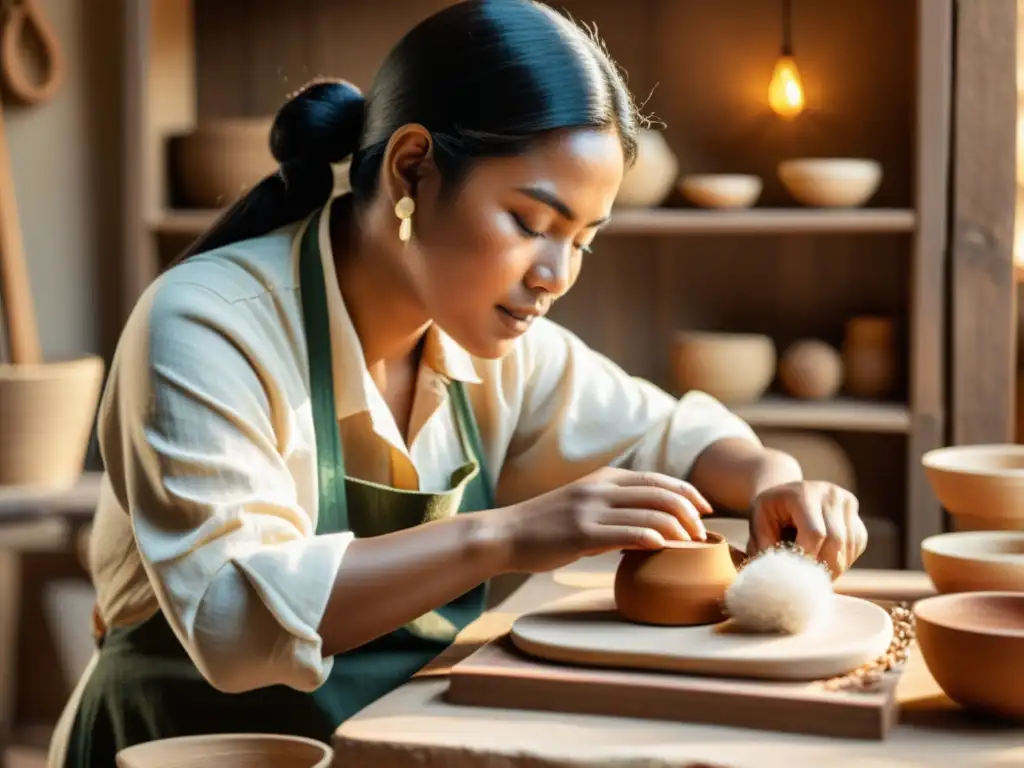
(586, 629)
(497, 675)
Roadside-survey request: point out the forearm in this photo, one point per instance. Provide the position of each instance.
(731, 473)
(386, 581)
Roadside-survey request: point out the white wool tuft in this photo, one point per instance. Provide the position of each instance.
(779, 591)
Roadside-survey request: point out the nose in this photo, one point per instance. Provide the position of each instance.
(551, 272)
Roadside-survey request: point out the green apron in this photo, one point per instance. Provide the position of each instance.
(145, 687)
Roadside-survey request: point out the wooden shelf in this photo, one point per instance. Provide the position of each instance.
(841, 414)
(669, 221)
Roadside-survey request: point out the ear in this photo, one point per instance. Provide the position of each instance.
(407, 160)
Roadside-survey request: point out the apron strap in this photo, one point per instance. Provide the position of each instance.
(469, 432)
(333, 510)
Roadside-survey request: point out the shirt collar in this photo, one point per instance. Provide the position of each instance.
(354, 389)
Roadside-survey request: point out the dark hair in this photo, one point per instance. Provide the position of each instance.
(485, 77)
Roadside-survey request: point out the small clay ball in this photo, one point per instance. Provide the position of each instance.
(811, 369)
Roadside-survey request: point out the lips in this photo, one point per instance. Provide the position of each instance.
(517, 319)
(521, 314)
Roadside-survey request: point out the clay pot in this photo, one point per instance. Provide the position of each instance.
(975, 561)
(732, 367)
(831, 182)
(973, 643)
(46, 417)
(682, 584)
(228, 751)
(222, 159)
(811, 369)
(721, 190)
(869, 354)
(981, 486)
(650, 179)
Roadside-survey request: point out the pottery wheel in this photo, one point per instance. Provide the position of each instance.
(585, 629)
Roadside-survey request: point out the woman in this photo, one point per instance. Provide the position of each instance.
(332, 425)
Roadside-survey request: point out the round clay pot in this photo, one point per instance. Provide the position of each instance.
(682, 584)
(650, 179)
(222, 159)
(46, 417)
(811, 369)
(243, 750)
(732, 367)
(975, 561)
(973, 643)
(981, 486)
(869, 354)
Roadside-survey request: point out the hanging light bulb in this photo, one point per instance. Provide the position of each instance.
(786, 89)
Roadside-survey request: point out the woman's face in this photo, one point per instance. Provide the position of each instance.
(494, 256)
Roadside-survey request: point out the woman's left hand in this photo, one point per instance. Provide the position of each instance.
(824, 515)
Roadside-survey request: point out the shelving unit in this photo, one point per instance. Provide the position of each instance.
(779, 269)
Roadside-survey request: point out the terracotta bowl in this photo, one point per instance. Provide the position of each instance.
(680, 585)
(831, 182)
(221, 159)
(973, 644)
(975, 561)
(721, 190)
(46, 418)
(228, 751)
(733, 367)
(982, 486)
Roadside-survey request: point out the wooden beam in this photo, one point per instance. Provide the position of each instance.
(983, 333)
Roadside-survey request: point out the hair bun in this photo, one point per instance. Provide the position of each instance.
(321, 123)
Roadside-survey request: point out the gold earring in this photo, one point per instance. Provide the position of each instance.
(404, 209)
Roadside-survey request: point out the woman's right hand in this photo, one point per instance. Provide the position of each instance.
(608, 510)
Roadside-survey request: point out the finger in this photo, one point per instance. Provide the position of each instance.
(646, 497)
(834, 551)
(857, 533)
(807, 516)
(667, 525)
(629, 479)
(607, 538)
(765, 532)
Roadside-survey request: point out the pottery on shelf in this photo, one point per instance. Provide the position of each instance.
(973, 643)
(811, 369)
(683, 584)
(975, 561)
(732, 367)
(244, 750)
(721, 190)
(982, 486)
(831, 182)
(46, 417)
(221, 159)
(651, 177)
(870, 356)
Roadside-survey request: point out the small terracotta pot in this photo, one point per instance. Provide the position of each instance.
(682, 584)
(242, 750)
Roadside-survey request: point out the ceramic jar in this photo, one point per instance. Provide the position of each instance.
(682, 584)
(650, 179)
(869, 356)
(221, 159)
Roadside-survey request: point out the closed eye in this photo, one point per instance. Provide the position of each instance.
(527, 232)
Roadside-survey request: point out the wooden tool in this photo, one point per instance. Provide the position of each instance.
(20, 19)
(587, 630)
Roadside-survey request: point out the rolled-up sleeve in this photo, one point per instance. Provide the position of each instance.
(579, 411)
(197, 440)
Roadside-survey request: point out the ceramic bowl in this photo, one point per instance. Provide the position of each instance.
(681, 585)
(973, 643)
(721, 190)
(975, 561)
(831, 182)
(242, 750)
(982, 486)
(733, 367)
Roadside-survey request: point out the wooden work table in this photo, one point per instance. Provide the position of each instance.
(414, 725)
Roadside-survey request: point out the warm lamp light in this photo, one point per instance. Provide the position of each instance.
(786, 90)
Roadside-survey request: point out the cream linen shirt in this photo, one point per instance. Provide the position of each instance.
(209, 504)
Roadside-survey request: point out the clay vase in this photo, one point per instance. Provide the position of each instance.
(811, 369)
(869, 356)
(680, 585)
(652, 176)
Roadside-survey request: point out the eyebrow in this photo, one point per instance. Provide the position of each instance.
(553, 201)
